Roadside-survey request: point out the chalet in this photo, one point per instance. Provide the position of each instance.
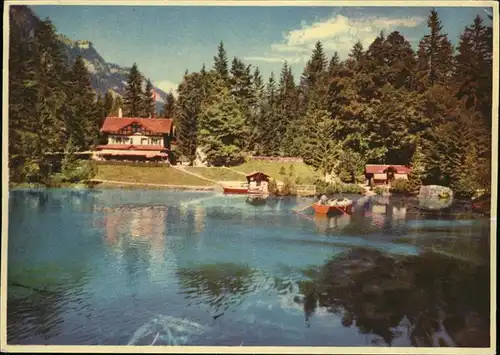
(137, 139)
(385, 174)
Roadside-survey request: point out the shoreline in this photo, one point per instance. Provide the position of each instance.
(109, 184)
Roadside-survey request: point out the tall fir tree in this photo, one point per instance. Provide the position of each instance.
(149, 101)
(82, 123)
(221, 124)
(265, 144)
(133, 99)
(401, 61)
(221, 63)
(255, 121)
(435, 54)
(474, 66)
(168, 107)
(357, 52)
(186, 112)
(108, 103)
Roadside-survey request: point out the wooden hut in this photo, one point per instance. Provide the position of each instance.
(385, 174)
(258, 182)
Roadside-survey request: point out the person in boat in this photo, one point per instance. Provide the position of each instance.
(323, 200)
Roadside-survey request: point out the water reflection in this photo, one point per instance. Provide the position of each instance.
(153, 264)
(133, 229)
(220, 286)
(442, 301)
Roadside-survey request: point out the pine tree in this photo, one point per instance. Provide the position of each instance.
(474, 68)
(82, 123)
(22, 101)
(400, 60)
(313, 83)
(186, 112)
(109, 103)
(357, 52)
(133, 94)
(221, 125)
(51, 77)
(149, 102)
(100, 114)
(435, 53)
(319, 149)
(287, 105)
(256, 110)
(334, 64)
(220, 62)
(168, 108)
(418, 169)
(118, 103)
(265, 144)
(240, 83)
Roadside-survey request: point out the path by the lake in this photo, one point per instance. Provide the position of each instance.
(166, 186)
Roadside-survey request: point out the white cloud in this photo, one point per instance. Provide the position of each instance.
(167, 86)
(338, 33)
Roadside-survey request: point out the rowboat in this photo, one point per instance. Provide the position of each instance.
(235, 190)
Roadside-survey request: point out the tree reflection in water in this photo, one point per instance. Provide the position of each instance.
(218, 285)
(445, 300)
(40, 294)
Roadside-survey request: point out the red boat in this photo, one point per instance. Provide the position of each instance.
(234, 190)
(327, 209)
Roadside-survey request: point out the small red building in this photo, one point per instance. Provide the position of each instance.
(385, 174)
(134, 138)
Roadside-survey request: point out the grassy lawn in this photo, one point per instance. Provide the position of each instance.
(219, 174)
(148, 174)
(306, 173)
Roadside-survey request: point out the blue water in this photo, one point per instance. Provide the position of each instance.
(117, 267)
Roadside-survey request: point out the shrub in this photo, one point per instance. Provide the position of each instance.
(273, 187)
(78, 170)
(288, 188)
(401, 186)
(360, 179)
(379, 190)
(324, 188)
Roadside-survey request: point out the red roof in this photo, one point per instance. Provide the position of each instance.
(257, 173)
(131, 147)
(156, 125)
(380, 169)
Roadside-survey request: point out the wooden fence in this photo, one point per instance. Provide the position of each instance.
(277, 159)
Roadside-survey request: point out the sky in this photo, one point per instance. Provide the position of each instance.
(164, 41)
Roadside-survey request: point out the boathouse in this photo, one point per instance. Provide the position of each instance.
(258, 180)
(136, 139)
(385, 174)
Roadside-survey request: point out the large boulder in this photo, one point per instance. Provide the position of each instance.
(435, 197)
(435, 191)
(201, 158)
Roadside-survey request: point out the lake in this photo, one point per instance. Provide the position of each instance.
(118, 267)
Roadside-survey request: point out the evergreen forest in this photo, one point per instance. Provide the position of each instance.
(428, 107)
